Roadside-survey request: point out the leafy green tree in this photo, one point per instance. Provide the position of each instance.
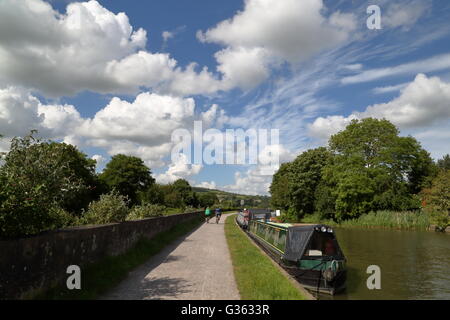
(195, 202)
(444, 163)
(184, 189)
(375, 169)
(154, 195)
(40, 181)
(437, 200)
(324, 201)
(304, 175)
(128, 175)
(279, 188)
(207, 199)
(173, 200)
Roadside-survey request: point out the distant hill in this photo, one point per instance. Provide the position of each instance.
(234, 199)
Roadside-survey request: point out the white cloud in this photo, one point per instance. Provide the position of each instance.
(142, 128)
(353, 67)
(21, 112)
(87, 48)
(63, 54)
(424, 102)
(243, 67)
(269, 32)
(179, 169)
(18, 112)
(206, 184)
(323, 128)
(257, 179)
(250, 182)
(166, 35)
(290, 29)
(147, 120)
(99, 159)
(405, 14)
(387, 89)
(435, 63)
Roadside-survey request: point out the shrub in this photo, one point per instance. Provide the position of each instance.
(60, 218)
(146, 210)
(35, 178)
(437, 200)
(190, 209)
(110, 208)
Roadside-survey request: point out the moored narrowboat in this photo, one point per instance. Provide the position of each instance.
(309, 252)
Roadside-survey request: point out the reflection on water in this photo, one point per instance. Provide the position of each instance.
(414, 264)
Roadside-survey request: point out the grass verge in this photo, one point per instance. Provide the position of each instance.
(401, 220)
(98, 278)
(256, 276)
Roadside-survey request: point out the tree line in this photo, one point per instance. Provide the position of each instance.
(366, 167)
(46, 185)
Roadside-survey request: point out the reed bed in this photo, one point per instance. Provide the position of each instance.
(402, 220)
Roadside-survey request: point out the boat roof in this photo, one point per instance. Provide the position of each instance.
(288, 225)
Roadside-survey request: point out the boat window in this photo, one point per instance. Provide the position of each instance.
(322, 244)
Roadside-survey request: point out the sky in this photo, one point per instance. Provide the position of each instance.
(117, 76)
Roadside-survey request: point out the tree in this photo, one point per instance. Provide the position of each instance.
(128, 175)
(207, 199)
(40, 181)
(324, 200)
(375, 169)
(279, 188)
(195, 202)
(437, 200)
(304, 175)
(154, 195)
(444, 163)
(184, 189)
(173, 200)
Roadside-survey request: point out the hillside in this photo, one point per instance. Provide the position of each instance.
(234, 199)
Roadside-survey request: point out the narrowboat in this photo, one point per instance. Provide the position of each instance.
(244, 216)
(309, 252)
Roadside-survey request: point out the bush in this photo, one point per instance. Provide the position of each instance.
(60, 218)
(437, 200)
(190, 209)
(110, 208)
(36, 178)
(289, 215)
(146, 210)
(440, 219)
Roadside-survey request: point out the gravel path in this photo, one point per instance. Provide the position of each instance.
(197, 267)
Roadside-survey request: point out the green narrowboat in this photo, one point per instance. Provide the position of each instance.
(309, 252)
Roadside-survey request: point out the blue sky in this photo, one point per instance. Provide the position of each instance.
(118, 76)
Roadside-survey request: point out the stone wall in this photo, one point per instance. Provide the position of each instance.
(38, 262)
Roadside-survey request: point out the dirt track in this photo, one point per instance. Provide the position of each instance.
(197, 266)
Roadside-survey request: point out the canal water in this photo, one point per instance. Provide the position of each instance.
(414, 264)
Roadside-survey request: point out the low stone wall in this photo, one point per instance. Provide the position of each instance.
(39, 262)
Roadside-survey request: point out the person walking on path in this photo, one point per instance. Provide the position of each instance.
(207, 214)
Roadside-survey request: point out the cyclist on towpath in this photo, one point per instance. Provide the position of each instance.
(207, 214)
(218, 214)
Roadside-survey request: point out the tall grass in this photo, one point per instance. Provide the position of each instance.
(256, 276)
(404, 220)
